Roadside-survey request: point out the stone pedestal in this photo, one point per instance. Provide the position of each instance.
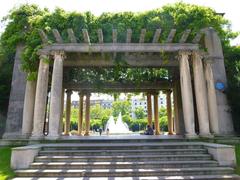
(80, 115)
(215, 54)
(40, 98)
(187, 97)
(56, 96)
(149, 109)
(16, 100)
(156, 116)
(68, 113)
(28, 109)
(87, 114)
(201, 95)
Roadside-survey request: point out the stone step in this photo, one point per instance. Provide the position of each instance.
(122, 165)
(122, 146)
(123, 152)
(123, 172)
(200, 177)
(186, 157)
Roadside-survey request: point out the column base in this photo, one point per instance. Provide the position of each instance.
(206, 135)
(52, 137)
(191, 136)
(86, 134)
(157, 133)
(37, 137)
(10, 135)
(26, 136)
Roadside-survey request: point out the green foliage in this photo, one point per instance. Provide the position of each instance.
(139, 113)
(99, 116)
(163, 123)
(25, 21)
(232, 62)
(5, 170)
(237, 152)
(138, 125)
(162, 112)
(123, 107)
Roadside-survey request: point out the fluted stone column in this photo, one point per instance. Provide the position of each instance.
(176, 113)
(169, 112)
(40, 98)
(80, 114)
(212, 99)
(28, 110)
(68, 112)
(87, 114)
(187, 96)
(56, 96)
(201, 94)
(149, 109)
(62, 110)
(156, 116)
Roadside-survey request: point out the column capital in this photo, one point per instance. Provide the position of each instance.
(88, 94)
(60, 53)
(168, 91)
(80, 94)
(69, 92)
(43, 56)
(184, 53)
(155, 93)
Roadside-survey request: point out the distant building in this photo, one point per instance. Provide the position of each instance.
(137, 102)
(103, 103)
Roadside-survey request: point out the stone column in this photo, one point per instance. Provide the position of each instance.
(156, 116)
(62, 110)
(149, 109)
(187, 97)
(28, 110)
(176, 113)
(169, 112)
(56, 96)
(212, 99)
(87, 114)
(80, 114)
(201, 94)
(40, 98)
(68, 112)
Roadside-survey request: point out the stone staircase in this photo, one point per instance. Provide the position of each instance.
(124, 160)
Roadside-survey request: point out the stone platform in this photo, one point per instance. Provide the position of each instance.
(125, 157)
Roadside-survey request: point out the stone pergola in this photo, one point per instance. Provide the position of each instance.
(196, 101)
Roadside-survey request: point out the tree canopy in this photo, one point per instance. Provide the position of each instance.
(24, 22)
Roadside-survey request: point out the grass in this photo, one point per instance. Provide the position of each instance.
(5, 171)
(237, 151)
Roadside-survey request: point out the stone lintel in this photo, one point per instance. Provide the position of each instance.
(119, 47)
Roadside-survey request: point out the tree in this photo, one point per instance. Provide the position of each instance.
(139, 113)
(232, 62)
(25, 21)
(121, 107)
(96, 112)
